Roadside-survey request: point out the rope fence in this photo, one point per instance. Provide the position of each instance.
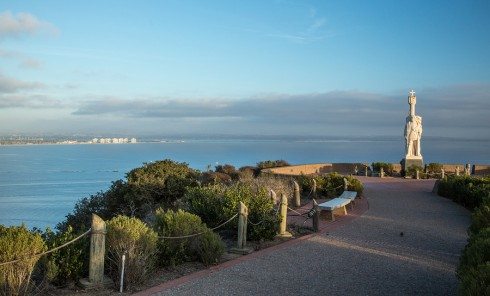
(49, 251)
(199, 233)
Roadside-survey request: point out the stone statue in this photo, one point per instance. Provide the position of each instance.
(413, 135)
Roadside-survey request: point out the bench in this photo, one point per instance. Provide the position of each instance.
(334, 204)
(350, 195)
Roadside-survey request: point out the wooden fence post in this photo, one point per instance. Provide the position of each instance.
(442, 173)
(457, 171)
(242, 231)
(316, 216)
(417, 174)
(346, 184)
(273, 196)
(284, 213)
(366, 171)
(313, 190)
(97, 250)
(297, 197)
(381, 173)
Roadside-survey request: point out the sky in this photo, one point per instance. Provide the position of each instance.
(319, 68)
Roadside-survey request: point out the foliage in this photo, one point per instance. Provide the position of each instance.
(161, 182)
(465, 190)
(209, 178)
(130, 237)
(227, 169)
(248, 172)
(434, 168)
(267, 164)
(280, 184)
(480, 218)
(387, 167)
(206, 247)
(474, 268)
(81, 216)
(329, 185)
(17, 242)
(412, 171)
(69, 263)
(216, 204)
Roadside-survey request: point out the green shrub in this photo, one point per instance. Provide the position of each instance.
(480, 218)
(434, 168)
(412, 171)
(267, 164)
(465, 190)
(387, 167)
(81, 216)
(476, 280)
(476, 252)
(330, 185)
(130, 236)
(216, 204)
(209, 248)
(248, 172)
(17, 242)
(161, 182)
(206, 247)
(69, 263)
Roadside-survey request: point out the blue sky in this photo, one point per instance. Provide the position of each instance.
(244, 67)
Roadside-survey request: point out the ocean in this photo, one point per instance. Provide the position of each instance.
(39, 184)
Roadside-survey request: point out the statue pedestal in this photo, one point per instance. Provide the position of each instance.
(409, 161)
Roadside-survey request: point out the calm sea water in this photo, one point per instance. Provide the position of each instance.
(39, 184)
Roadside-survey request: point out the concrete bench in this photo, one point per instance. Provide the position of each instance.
(350, 195)
(335, 204)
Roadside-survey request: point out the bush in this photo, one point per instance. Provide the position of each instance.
(130, 236)
(412, 171)
(474, 263)
(271, 164)
(161, 182)
(81, 216)
(68, 264)
(480, 218)
(229, 170)
(465, 190)
(17, 242)
(330, 185)
(434, 168)
(387, 167)
(476, 280)
(248, 172)
(216, 204)
(206, 247)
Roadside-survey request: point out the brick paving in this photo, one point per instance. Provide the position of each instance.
(401, 239)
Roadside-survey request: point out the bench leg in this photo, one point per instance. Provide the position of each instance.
(344, 210)
(330, 216)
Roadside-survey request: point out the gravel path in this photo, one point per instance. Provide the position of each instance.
(407, 243)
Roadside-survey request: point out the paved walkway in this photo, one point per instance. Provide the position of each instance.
(407, 243)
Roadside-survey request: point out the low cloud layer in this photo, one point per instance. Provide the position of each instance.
(450, 109)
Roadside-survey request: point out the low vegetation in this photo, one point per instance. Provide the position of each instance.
(474, 265)
(153, 216)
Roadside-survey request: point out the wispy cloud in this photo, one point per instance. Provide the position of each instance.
(11, 85)
(24, 61)
(28, 101)
(17, 25)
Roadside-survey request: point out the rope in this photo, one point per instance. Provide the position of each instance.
(301, 214)
(50, 251)
(255, 224)
(200, 233)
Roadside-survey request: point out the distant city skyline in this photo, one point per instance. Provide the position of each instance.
(258, 67)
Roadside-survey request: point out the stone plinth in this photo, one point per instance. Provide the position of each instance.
(410, 161)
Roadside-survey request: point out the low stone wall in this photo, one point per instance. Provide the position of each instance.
(481, 169)
(304, 169)
(451, 168)
(317, 168)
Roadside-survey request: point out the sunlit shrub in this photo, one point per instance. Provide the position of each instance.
(206, 247)
(130, 237)
(17, 242)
